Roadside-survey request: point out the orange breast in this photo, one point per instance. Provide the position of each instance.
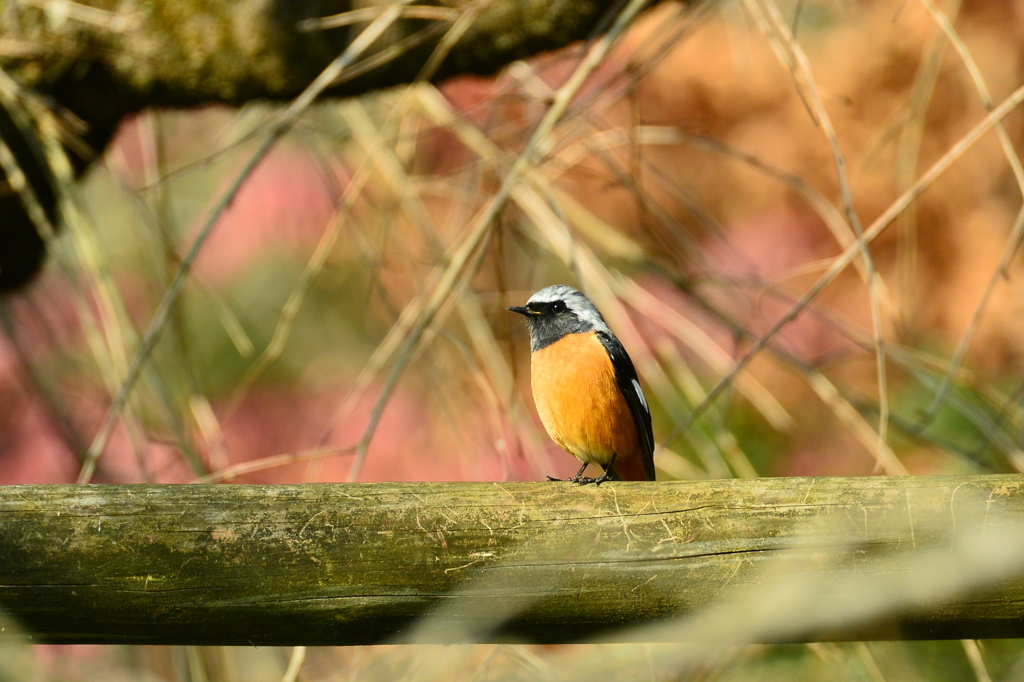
(579, 402)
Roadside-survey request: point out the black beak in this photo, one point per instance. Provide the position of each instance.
(521, 309)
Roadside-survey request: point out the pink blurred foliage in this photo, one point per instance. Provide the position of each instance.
(31, 449)
(773, 251)
(410, 443)
(63, 661)
(284, 203)
(471, 96)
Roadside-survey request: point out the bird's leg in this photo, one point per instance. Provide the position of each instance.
(609, 473)
(580, 477)
(574, 479)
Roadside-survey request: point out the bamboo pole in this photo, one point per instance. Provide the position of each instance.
(546, 562)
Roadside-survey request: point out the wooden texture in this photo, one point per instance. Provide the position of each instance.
(545, 562)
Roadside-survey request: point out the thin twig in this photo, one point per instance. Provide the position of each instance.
(358, 16)
(272, 462)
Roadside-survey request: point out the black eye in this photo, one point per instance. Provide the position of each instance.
(558, 307)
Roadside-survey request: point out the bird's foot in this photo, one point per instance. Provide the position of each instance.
(552, 478)
(585, 480)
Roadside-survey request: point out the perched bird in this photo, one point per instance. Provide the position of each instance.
(585, 387)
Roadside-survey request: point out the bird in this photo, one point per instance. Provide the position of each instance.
(585, 387)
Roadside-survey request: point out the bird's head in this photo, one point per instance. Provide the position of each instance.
(557, 310)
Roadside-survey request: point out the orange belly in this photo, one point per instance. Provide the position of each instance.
(580, 404)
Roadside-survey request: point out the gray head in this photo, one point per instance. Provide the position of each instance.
(558, 310)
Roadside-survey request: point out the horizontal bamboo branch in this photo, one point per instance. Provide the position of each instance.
(742, 560)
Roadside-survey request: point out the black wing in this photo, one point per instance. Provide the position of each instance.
(629, 384)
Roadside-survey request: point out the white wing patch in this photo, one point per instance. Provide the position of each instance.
(640, 394)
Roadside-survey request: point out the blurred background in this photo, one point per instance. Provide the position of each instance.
(345, 319)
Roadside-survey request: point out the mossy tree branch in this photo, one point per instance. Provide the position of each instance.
(111, 58)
